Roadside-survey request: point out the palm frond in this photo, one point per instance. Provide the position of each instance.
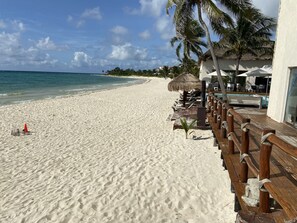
(169, 5)
(216, 16)
(236, 6)
(186, 126)
(173, 41)
(177, 51)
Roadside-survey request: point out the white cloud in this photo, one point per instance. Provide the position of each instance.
(131, 11)
(2, 24)
(268, 7)
(46, 44)
(103, 62)
(120, 30)
(127, 52)
(13, 54)
(88, 14)
(9, 43)
(80, 23)
(148, 7)
(116, 40)
(92, 14)
(153, 7)
(145, 35)
(17, 25)
(8, 38)
(21, 26)
(42, 59)
(119, 35)
(69, 18)
(12, 25)
(48, 60)
(81, 59)
(165, 27)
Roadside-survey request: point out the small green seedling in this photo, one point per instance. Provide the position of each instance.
(187, 126)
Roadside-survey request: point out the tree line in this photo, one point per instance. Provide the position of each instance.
(165, 71)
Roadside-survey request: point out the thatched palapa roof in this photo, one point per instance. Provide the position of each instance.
(184, 82)
(220, 54)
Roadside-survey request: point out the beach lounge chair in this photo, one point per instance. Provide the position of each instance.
(230, 87)
(249, 87)
(179, 106)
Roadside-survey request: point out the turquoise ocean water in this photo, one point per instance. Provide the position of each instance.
(23, 86)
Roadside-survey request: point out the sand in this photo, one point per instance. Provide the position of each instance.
(109, 156)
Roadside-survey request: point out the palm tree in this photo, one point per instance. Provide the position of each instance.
(189, 37)
(165, 71)
(216, 17)
(250, 34)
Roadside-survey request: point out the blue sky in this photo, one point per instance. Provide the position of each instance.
(89, 36)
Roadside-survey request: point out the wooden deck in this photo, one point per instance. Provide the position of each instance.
(281, 159)
(259, 118)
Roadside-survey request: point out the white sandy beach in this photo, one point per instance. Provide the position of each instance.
(109, 156)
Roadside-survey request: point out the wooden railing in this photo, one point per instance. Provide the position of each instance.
(224, 117)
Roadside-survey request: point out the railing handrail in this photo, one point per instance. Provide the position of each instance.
(283, 145)
(237, 116)
(247, 159)
(268, 139)
(273, 139)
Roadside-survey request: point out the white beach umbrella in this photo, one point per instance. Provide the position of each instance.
(242, 75)
(264, 71)
(223, 73)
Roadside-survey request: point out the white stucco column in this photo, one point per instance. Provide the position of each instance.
(285, 57)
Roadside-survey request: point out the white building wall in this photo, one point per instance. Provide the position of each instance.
(285, 57)
(245, 65)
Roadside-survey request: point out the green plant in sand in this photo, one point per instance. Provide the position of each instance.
(187, 126)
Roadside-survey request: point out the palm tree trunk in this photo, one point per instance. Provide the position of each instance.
(236, 73)
(185, 98)
(214, 58)
(199, 65)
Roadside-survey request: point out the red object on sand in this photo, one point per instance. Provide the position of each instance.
(26, 128)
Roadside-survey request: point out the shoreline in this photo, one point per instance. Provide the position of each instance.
(73, 92)
(109, 156)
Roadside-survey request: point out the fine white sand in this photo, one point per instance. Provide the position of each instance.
(109, 156)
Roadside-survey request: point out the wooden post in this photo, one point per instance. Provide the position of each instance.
(212, 111)
(215, 104)
(185, 98)
(245, 143)
(264, 172)
(223, 119)
(236, 204)
(201, 117)
(219, 115)
(208, 105)
(212, 100)
(212, 106)
(230, 121)
(203, 93)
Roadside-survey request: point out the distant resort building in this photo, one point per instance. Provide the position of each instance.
(228, 64)
(283, 94)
